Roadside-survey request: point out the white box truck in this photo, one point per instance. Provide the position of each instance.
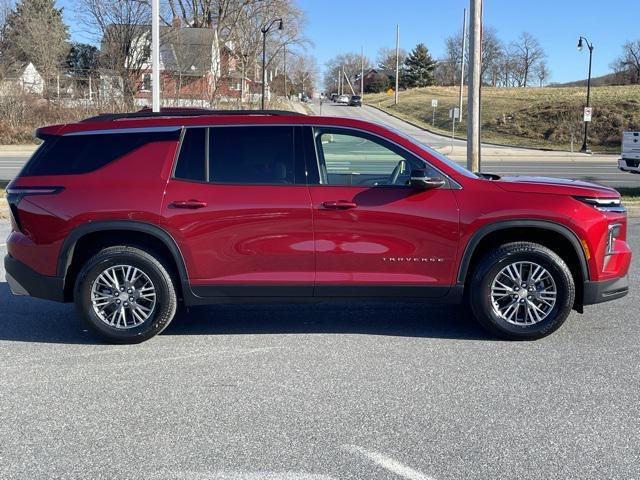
(630, 157)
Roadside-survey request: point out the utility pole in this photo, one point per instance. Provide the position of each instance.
(284, 72)
(155, 55)
(473, 107)
(464, 47)
(397, 62)
(362, 72)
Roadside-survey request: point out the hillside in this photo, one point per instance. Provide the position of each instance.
(532, 117)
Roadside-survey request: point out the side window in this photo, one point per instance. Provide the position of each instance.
(191, 160)
(356, 158)
(252, 155)
(78, 154)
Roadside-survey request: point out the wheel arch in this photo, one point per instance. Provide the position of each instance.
(76, 243)
(555, 236)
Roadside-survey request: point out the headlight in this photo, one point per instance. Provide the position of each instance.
(604, 204)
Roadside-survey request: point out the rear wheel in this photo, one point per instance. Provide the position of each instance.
(125, 295)
(522, 291)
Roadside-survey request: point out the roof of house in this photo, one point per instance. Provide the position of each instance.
(16, 69)
(188, 51)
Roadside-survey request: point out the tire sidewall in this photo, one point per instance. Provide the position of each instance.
(481, 296)
(163, 310)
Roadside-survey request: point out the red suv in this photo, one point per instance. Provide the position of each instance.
(128, 214)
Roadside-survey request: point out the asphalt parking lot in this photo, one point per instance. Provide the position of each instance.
(327, 391)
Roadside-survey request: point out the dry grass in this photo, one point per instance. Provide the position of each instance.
(532, 117)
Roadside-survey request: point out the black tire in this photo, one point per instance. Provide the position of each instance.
(165, 299)
(493, 263)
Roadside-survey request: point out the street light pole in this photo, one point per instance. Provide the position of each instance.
(265, 29)
(585, 147)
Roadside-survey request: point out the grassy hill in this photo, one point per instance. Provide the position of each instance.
(531, 117)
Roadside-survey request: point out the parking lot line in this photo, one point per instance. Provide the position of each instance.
(389, 463)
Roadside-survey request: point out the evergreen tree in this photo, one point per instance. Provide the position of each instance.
(35, 32)
(419, 67)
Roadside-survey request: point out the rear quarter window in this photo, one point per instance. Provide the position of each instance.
(78, 154)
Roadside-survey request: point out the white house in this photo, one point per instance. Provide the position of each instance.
(24, 77)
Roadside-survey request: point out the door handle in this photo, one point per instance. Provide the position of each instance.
(339, 204)
(190, 204)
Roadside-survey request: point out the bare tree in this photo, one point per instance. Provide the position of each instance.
(351, 62)
(627, 66)
(492, 52)
(543, 73)
(386, 59)
(527, 53)
(304, 74)
(122, 29)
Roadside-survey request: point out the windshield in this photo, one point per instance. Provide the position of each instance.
(431, 151)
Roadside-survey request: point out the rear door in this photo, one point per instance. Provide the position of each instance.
(374, 234)
(240, 209)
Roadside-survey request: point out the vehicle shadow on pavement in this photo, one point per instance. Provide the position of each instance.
(365, 318)
(24, 319)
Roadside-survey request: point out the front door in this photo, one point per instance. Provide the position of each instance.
(374, 234)
(239, 207)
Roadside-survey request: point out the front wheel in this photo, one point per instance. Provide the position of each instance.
(522, 291)
(125, 295)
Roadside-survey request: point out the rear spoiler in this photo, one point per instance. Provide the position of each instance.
(49, 131)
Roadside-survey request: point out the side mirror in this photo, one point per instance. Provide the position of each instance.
(419, 180)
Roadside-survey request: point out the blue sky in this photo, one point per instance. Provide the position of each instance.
(336, 26)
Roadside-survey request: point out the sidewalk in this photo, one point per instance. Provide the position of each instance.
(499, 154)
(17, 150)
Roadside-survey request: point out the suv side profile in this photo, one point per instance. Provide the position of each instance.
(129, 214)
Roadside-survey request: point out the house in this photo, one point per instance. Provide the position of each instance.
(194, 68)
(375, 77)
(23, 77)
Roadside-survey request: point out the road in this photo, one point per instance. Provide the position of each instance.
(10, 164)
(501, 160)
(319, 392)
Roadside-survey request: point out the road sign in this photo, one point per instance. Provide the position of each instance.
(588, 111)
(434, 103)
(454, 113)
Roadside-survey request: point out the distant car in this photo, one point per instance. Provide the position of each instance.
(355, 101)
(343, 99)
(304, 97)
(334, 97)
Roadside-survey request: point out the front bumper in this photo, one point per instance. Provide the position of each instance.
(629, 165)
(598, 292)
(24, 281)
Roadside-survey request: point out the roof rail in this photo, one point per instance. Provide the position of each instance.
(184, 112)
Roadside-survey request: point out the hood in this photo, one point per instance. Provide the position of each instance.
(554, 186)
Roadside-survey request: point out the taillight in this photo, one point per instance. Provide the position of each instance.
(16, 194)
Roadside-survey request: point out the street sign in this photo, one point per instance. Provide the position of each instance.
(434, 103)
(454, 113)
(588, 111)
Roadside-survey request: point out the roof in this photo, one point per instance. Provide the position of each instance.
(188, 51)
(16, 69)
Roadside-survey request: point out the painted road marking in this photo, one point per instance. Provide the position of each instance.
(388, 463)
